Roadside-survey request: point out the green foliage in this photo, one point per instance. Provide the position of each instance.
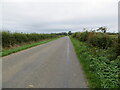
(100, 56)
(69, 33)
(95, 39)
(101, 41)
(13, 50)
(11, 39)
(83, 36)
(118, 46)
(100, 71)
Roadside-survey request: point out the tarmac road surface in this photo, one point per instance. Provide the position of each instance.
(50, 65)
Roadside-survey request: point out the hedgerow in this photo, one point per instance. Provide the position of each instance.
(100, 56)
(10, 39)
(96, 39)
(101, 72)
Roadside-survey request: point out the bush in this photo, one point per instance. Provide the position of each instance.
(96, 39)
(117, 48)
(11, 39)
(6, 41)
(100, 71)
(83, 36)
(102, 41)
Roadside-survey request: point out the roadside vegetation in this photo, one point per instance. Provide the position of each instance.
(23, 47)
(13, 39)
(99, 54)
(14, 42)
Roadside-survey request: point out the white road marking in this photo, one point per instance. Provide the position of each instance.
(30, 86)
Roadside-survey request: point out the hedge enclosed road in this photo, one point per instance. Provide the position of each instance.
(51, 65)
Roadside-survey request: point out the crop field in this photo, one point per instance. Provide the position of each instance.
(99, 55)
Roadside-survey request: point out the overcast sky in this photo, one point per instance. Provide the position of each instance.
(45, 16)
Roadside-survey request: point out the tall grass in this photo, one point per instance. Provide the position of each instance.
(10, 39)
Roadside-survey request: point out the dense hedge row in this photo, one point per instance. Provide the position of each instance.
(100, 40)
(100, 55)
(100, 70)
(11, 39)
(117, 46)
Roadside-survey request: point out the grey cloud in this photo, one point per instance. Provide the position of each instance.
(57, 17)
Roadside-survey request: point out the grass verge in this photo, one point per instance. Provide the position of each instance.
(13, 50)
(79, 48)
(99, 70)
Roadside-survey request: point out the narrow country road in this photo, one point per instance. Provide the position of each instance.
(51, 65)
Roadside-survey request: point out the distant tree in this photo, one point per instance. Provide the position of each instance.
(103, 29)
(62, 33)
(84, 29)
(69, 33)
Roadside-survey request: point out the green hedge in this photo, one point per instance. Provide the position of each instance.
(95, 39)
(11, 39)
(100, 71)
